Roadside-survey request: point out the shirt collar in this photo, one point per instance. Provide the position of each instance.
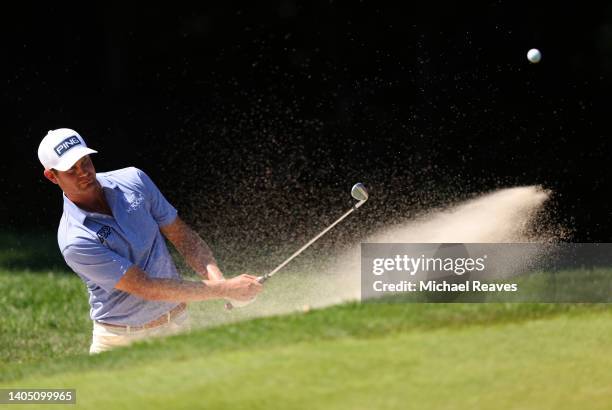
(78, 213)
(105, 182)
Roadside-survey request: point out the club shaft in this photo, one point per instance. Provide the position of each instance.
(313, 240)
(265, 277)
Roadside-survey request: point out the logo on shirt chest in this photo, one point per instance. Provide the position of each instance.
(103, 233)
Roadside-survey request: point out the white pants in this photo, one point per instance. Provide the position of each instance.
(108, 337)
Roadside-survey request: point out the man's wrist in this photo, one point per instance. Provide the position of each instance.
(217, 288)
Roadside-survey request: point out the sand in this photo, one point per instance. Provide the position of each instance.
(509, 215)
(504, 216)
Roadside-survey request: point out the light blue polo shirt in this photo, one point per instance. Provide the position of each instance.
(101, 248)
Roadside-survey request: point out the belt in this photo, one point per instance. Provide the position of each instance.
(162, 320)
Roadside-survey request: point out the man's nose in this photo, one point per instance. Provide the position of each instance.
(81, 172)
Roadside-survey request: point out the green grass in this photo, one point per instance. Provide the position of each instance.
(46, 315)
(42, 315)
(361, 356)
(351, 356)
(358, 356)
(440, 369)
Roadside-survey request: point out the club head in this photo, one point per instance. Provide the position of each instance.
(359, 192)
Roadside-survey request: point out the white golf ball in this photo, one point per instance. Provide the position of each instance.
(534, 55)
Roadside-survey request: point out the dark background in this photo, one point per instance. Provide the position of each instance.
(256, 120)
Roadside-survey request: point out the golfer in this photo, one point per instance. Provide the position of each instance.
(112, 233)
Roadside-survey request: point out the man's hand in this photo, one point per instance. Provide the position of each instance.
(213, 272)
(241, 288)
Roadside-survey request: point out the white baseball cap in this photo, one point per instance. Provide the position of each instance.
(61, 148)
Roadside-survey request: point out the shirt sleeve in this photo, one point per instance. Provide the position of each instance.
(163, 212)
(97, 263)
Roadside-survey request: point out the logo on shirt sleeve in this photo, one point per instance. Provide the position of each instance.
(103, 233)
(135, 202)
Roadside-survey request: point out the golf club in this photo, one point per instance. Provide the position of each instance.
(358, 192)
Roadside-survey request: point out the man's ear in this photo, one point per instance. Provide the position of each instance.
(50, 176)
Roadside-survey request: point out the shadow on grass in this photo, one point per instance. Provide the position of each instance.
(30, 250)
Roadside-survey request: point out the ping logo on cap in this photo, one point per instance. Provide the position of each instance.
(63, 147)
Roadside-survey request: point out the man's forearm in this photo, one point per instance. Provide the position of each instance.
(137, 282)
(242, 287)
(175, 290)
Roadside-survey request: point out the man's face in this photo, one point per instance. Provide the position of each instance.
(78, 180)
